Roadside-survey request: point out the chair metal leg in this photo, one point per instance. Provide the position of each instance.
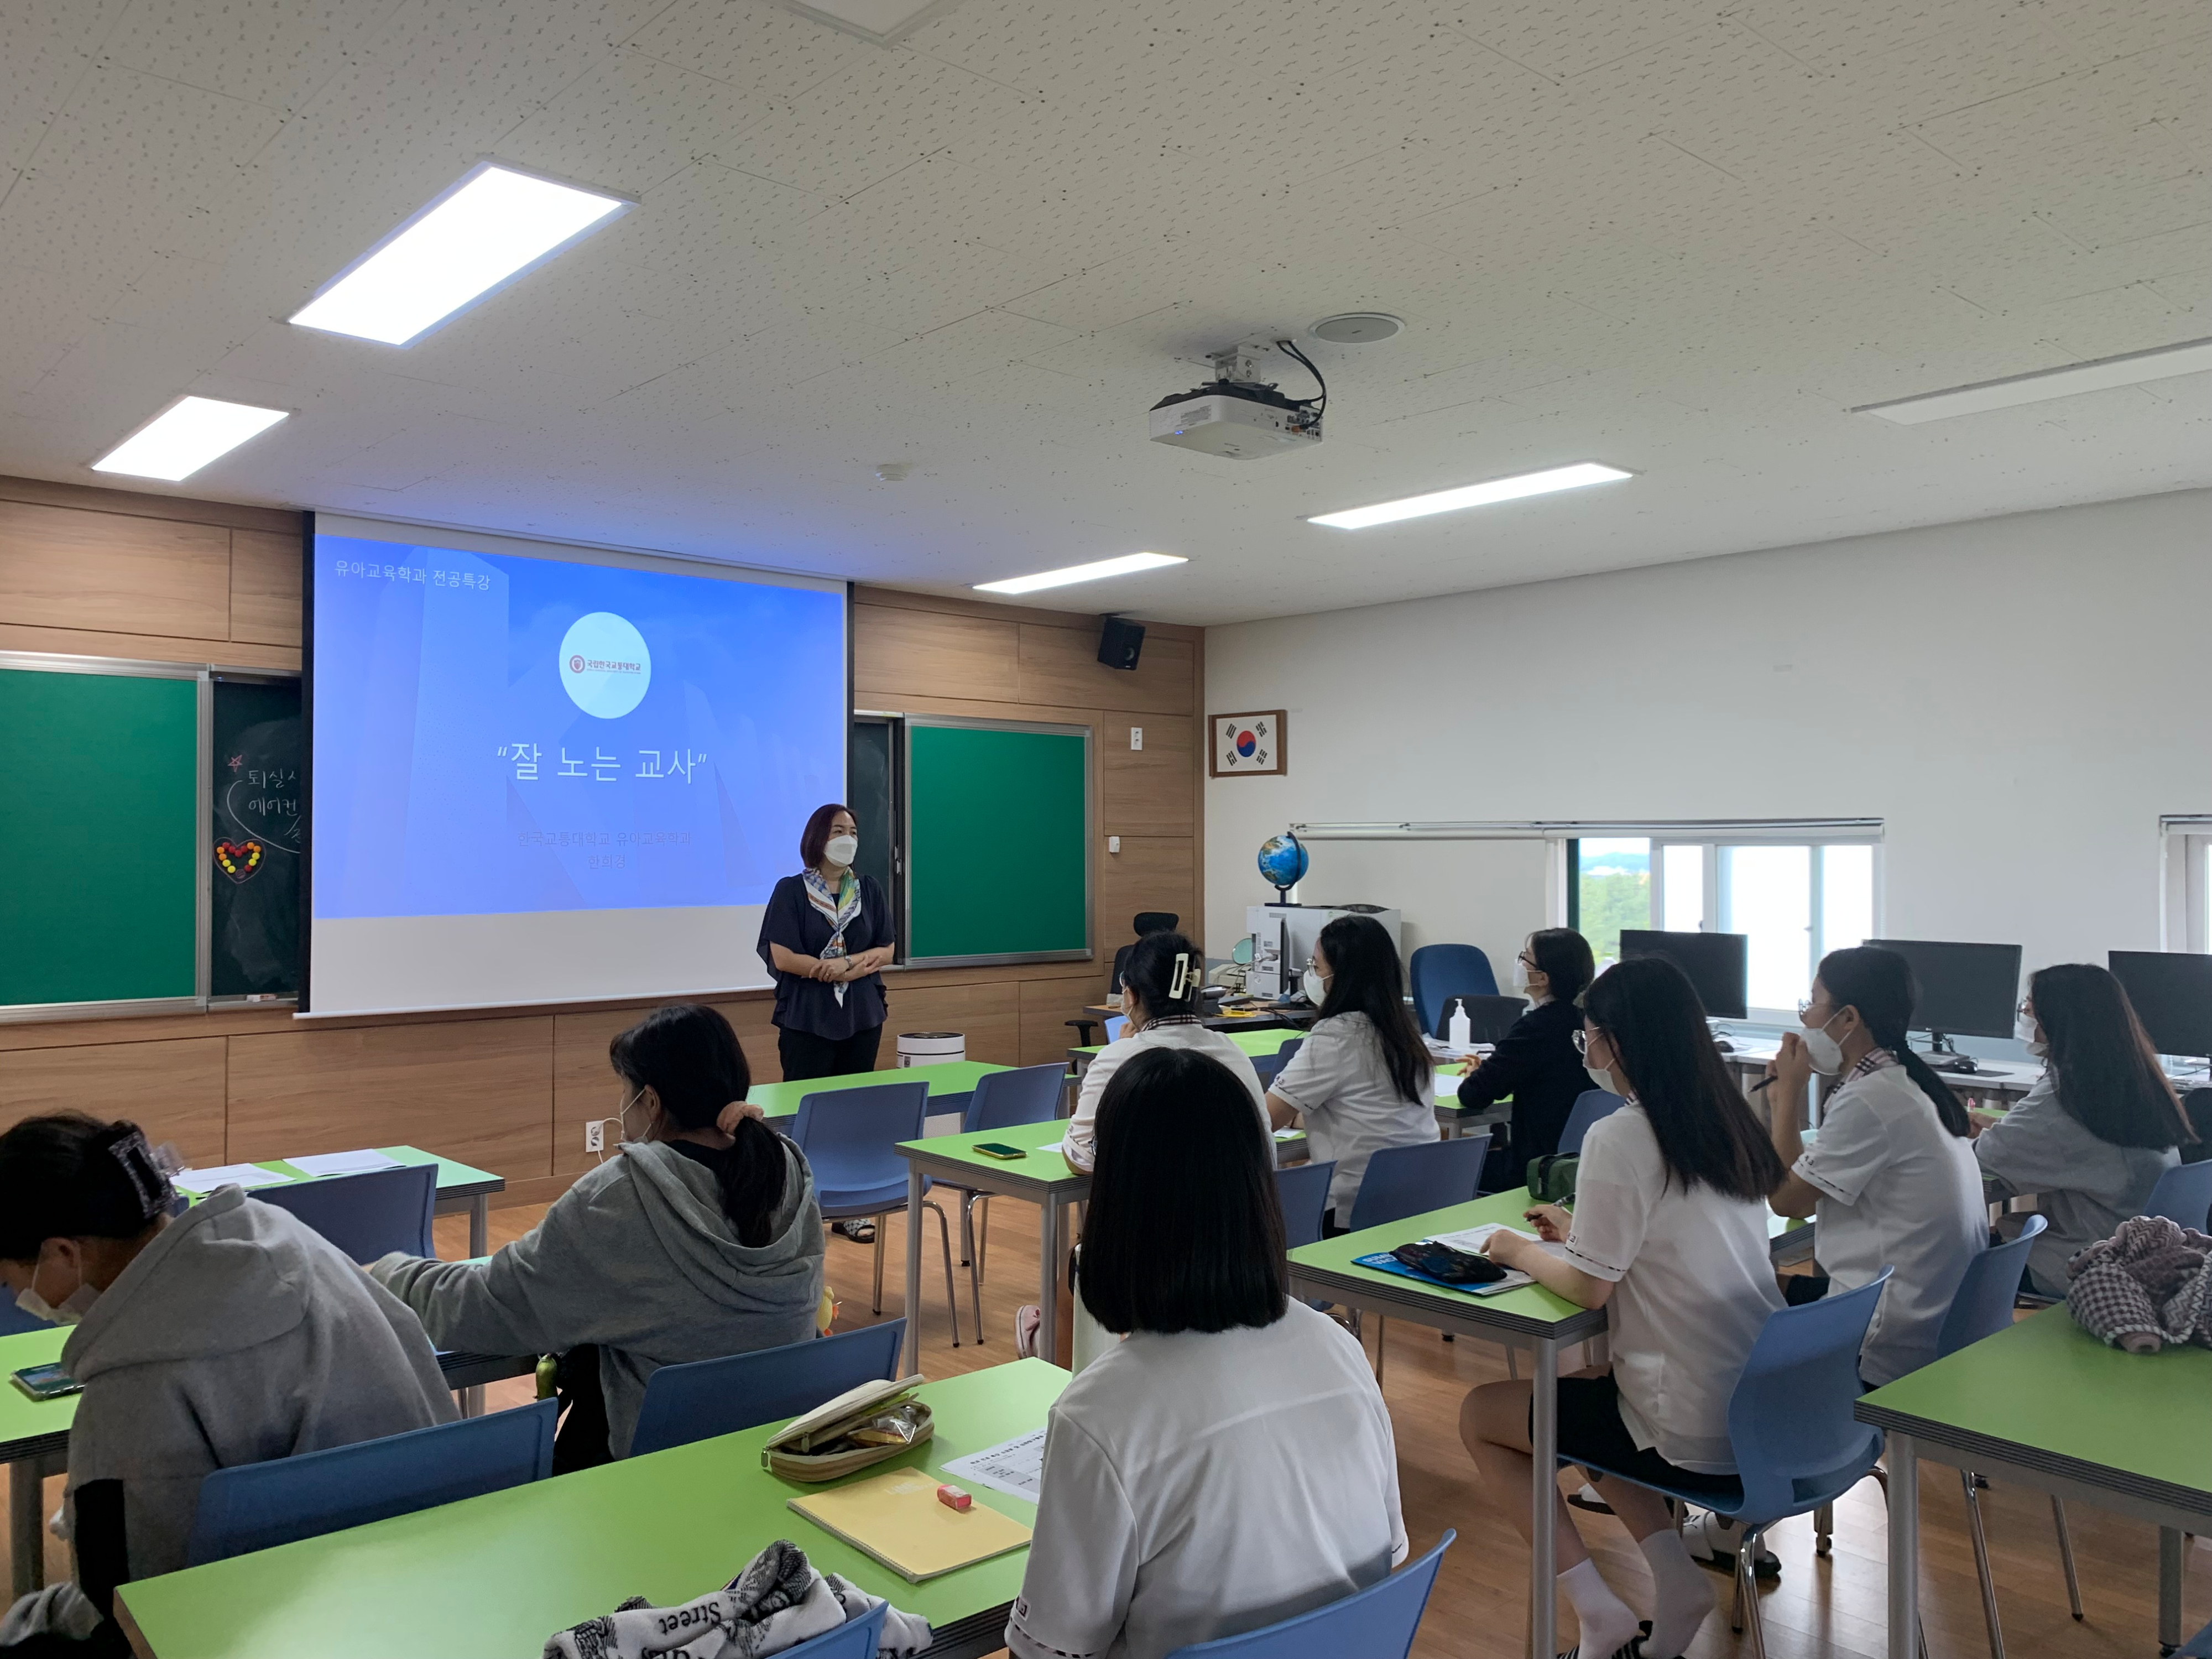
(974, 1260)
(1982, 1565)
(983, 1232)
(2066, 1553)
(878, 1304)
(952, 1296)
(1513, 1364)
(1824, 1528)
(1744, 1589)
(1746, 1555)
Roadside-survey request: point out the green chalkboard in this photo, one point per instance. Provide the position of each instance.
(998, 841)
(99, 892)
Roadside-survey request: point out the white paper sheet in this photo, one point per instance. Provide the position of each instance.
(227, 1175)
(1054, 1146)
(330, 1163)
(1016, 1468)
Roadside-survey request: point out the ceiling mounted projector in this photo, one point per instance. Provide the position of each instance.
(1239, 416)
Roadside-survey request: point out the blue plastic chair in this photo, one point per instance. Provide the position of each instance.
(1408, 1181)
(14, 1321)
(707, 1397)
(1002, 1100)
(1116, 1025)
(1376, 1623)
(1589, 1106)
(1270, 1066)
(2183, 1196)
(1797, 1446)
(1303, 1190)
(254, 1506)
(850, 1139)
(366, 1215)
(1981, 1307)
(1439, 971)
(856, 1638)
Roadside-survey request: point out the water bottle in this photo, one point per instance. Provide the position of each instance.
(1460, 1027)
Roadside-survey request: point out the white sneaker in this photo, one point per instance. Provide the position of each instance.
(1029, 1318)
(1713, 1539)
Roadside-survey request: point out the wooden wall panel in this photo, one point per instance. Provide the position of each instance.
(584, 1082)
(60, 569)
(1047, 1006)
(896, 651)
(479, 1090)
(1150, 872)
(264, 587)
(987, 1012)
(173, 1089)
(1152, 791)
(1060, 664)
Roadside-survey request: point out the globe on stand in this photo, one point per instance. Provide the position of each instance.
(1283, 862)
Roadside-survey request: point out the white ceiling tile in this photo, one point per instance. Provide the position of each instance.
(275, 52)
(45, 48)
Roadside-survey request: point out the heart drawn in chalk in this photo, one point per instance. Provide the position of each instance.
(238, 860)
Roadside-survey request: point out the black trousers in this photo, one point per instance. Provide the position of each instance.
(806, 1056)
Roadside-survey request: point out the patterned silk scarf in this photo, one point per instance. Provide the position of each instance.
(840, 908)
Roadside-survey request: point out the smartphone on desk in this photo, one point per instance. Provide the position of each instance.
(999, 1150)
(46, 1382)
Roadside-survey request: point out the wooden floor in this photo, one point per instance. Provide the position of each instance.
(1479, 1608)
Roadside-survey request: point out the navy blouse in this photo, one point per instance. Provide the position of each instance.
(811, 1004)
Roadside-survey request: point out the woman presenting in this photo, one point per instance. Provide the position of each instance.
(827, 931)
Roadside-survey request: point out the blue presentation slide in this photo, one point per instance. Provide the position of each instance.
(495, 734)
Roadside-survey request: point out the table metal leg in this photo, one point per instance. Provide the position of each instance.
(480, 1225)
(912, 1306)
(2169, 1588)
(1904, 1547)
(1544, 1503)
(1048, 1253)
(472, 1401)
(27, 1534)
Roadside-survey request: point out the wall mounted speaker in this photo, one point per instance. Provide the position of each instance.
(1120, 642)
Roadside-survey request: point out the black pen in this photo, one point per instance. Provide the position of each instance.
(1761, 1083)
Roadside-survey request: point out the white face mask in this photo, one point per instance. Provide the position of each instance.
(1316, 986)
(842, 850)
(622, 1119)
(74, 1306)
(1823, 1050)
(1521, 976)
(2023, 1029)
(1601, 1079)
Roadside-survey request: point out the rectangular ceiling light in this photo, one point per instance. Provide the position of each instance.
(2190, 357)
(492, 227)
(185, 437)
(1481, 494)
(1081, 573)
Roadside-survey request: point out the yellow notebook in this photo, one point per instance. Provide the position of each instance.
(896, 1518)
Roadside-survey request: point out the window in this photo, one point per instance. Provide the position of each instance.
(1794, 901)
(2188, 856)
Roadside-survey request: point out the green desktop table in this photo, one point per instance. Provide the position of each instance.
(951, 1083)
(461, 1188)
(2049, 1405)
(1043, 1178)
(496, 1574)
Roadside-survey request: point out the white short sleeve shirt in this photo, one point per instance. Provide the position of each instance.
(1342, 1089)
(1897, 1190)
(1202, 1484)
(1694, 1285)
(1082, 1140)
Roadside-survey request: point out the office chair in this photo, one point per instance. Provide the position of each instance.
(1440, 970)
(1144, 923)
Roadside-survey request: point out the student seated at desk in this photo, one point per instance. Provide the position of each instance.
(2099, 1128)
(1536, 1063)
(690, 1243)
(1892, 1181)
(1231, 1463)
(230, 1333)
(1160, 983)
(1363, 1081)
(1669, 1234)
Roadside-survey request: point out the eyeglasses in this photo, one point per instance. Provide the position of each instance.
(1583, 1042)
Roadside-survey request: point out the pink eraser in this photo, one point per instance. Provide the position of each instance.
(953, 1498)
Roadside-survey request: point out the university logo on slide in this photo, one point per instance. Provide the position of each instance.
(604, 666)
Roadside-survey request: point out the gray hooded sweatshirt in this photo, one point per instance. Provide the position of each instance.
(637, 1258)
(237, 1336)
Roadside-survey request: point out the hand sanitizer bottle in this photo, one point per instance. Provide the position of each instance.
(1460, 1027)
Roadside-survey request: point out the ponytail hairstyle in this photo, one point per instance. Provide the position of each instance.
(1367, 978)
(1165, 970)
(1649, 1012)
(1879, 984)
(689, 1056)
(67, 1176)
(2110, 1081)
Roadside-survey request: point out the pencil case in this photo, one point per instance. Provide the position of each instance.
(860, 1427)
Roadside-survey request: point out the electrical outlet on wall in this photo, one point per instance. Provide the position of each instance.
(595, 1137)
(1136, 739)
(1113, 843)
